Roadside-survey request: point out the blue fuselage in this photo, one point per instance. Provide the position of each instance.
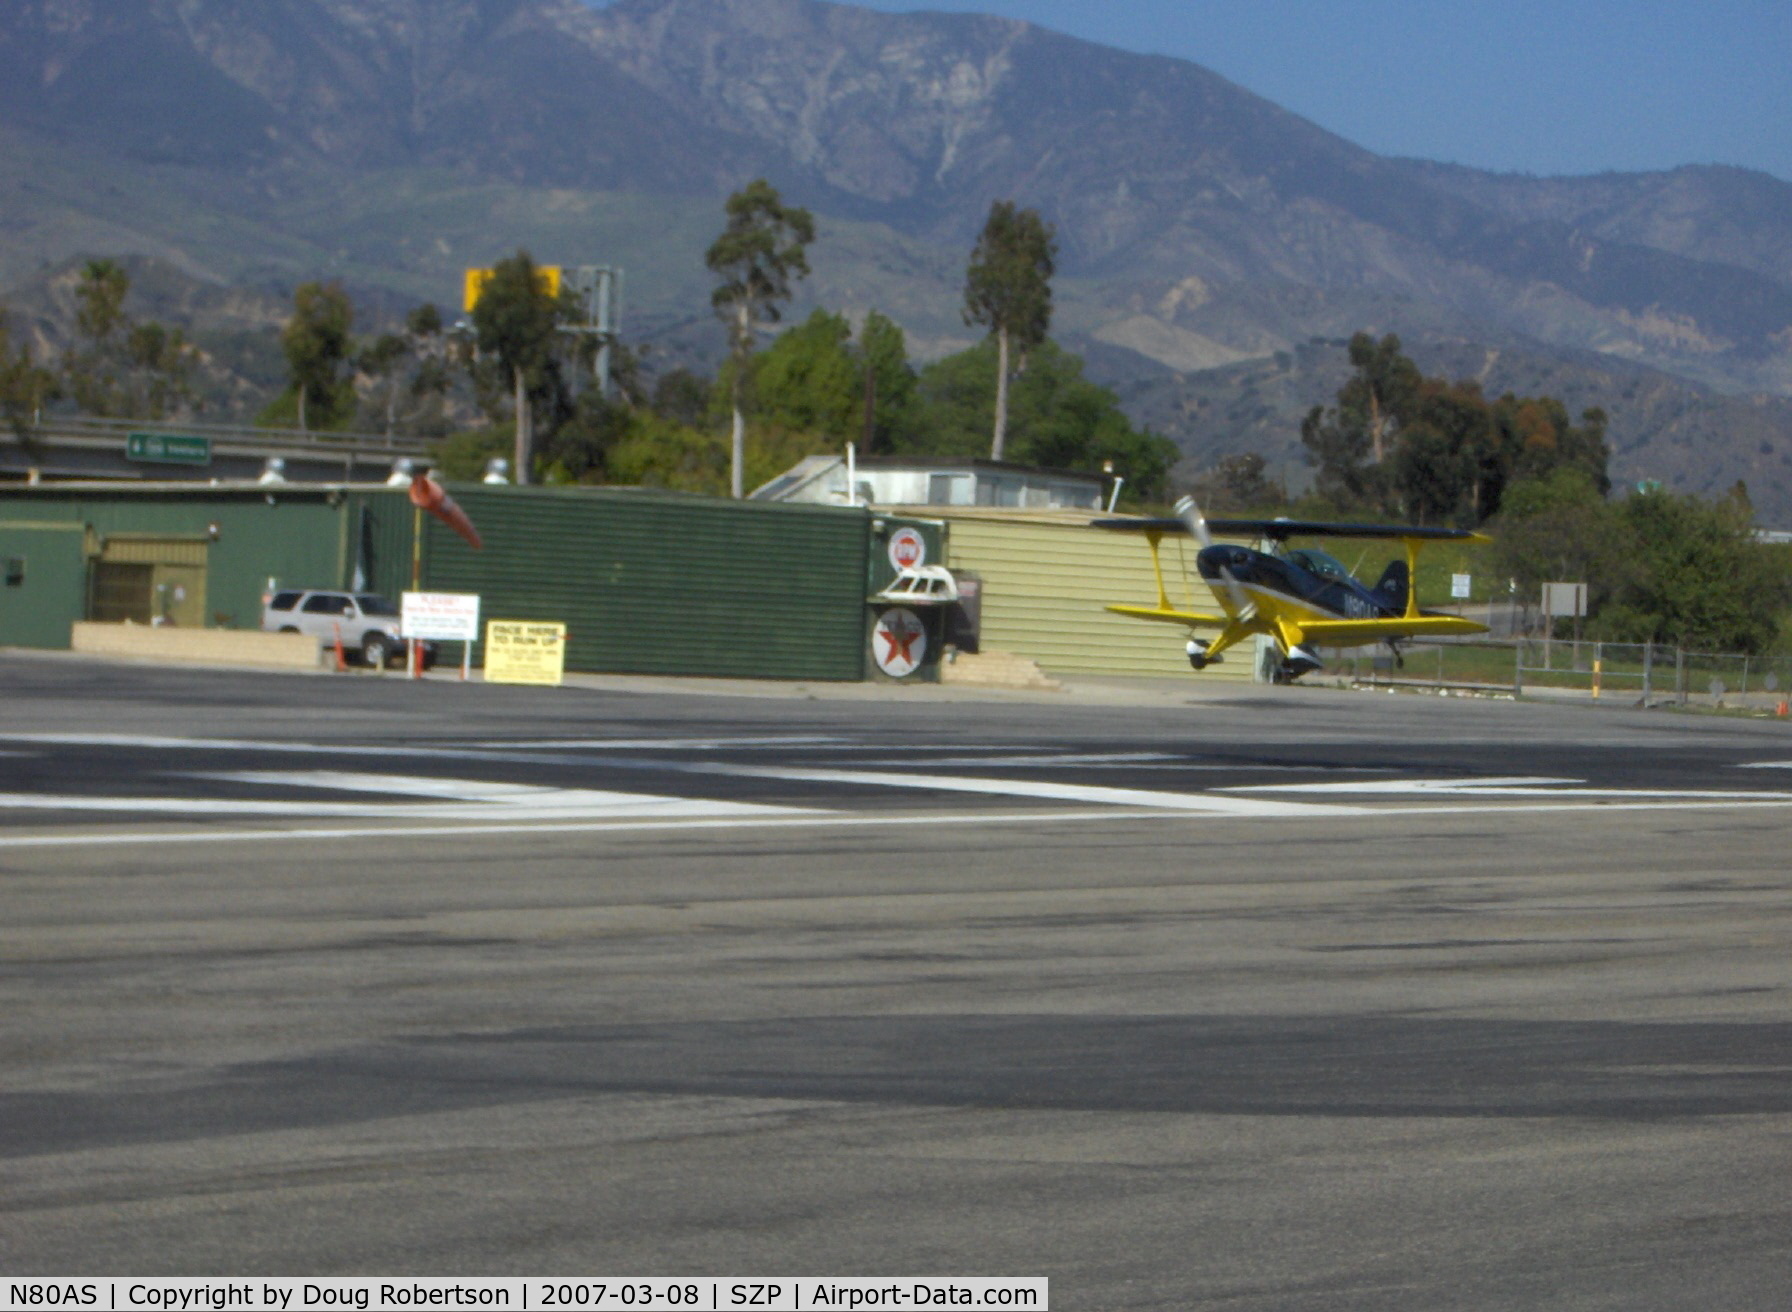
(1325, 590)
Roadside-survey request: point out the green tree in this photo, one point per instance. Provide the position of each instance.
(759, 252)
(516, 321)
(383, 360)
(24, 385)
(1237, 484)
(892, 382)
(663, 453)
(161, 364)
(430, 380)
(1435, 465)
(316, 342)
(1558, 528)
(1397, 442)
(809, 380)
(1351, 442)
(1008, 289)
(1701, 578)
(1381, 392)
(578, 450)
(99, 300)
(121, 367)
(681, 396)
(1535, 436)
(1060, 420)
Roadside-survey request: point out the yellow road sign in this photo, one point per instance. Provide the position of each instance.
(524, 651)
(547, 275)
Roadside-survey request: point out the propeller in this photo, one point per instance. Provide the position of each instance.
(1190, 513)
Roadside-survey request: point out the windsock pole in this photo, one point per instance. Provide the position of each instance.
(411, 655)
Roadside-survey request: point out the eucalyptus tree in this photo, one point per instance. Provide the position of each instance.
(1008, 289)
(759, 253)
(517, 319)
(317, 342)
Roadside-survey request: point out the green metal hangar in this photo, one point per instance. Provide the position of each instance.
(645, 582)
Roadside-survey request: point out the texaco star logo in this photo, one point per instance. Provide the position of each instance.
(899, 643)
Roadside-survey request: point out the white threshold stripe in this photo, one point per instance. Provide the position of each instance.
(1504, 787)
(388, 752)
(1198, 803)
(667, 744)
(835, 821)
(572, 804)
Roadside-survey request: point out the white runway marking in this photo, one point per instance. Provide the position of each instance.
(1503, 787)
(1203, 803)
(662, 744)
(457, 799)
(821, 820)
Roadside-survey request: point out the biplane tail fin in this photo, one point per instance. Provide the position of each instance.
(1392, 588)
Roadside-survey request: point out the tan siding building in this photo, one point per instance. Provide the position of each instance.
(1047, 577)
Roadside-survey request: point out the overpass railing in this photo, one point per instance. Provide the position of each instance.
(271, 441)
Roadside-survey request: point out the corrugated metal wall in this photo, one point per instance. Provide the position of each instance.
(43, 581)
(291, 534)
(1048, 576)
(652, 583)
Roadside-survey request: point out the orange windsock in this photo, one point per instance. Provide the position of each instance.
(431, 496)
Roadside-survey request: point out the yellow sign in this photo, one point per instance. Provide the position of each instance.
(547, 276)
(522, 651)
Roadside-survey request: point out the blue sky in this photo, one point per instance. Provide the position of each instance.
(1535, 86)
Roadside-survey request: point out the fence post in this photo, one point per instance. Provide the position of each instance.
(1680, 675)
(1648, 661)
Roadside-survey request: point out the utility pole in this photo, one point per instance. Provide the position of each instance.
(599, 288)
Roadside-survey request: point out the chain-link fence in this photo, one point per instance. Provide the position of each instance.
(1648, 673)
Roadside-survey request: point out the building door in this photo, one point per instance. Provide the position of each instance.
(150, 579)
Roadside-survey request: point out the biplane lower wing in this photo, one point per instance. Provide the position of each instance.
(1351, 633)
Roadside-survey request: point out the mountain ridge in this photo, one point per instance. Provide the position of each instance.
(1200, 225)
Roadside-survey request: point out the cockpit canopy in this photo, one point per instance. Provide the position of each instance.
(1326, 567)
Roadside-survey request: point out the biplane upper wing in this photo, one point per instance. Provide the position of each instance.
(1280, 530)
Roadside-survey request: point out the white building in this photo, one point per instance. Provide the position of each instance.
(943, 481)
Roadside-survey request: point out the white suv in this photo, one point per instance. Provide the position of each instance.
(365, 622)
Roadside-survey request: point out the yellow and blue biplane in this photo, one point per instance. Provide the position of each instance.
(1301, 599)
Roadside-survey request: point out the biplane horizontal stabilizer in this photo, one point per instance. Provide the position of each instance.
(1170, 616)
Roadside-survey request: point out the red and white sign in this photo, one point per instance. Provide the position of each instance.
(907, 548)
(899, 642)
(440, 616)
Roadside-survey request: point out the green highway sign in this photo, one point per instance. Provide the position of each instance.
(168, 448)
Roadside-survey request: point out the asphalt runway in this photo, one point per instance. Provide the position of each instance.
(1269, 999)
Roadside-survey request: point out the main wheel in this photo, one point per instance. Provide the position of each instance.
(376, 650)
